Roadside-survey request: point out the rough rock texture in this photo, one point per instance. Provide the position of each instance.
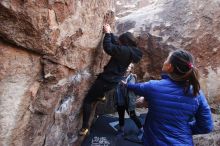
(125, 7)
(165, 25)
(19, 72)
(48, 52)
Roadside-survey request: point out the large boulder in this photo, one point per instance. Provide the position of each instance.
(166, 25)
(49, 51)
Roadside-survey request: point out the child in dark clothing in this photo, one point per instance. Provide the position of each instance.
(125, 100)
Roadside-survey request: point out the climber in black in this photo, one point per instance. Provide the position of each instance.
(122, 54)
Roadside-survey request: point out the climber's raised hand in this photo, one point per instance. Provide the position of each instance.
(107, 28)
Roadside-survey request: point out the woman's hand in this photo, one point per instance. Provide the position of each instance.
(107, 28)
(123, 83)
(141, 102)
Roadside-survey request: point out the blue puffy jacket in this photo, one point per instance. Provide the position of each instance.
(173, 117)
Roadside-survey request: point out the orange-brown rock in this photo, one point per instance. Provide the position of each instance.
(162, 26)
(49, 52)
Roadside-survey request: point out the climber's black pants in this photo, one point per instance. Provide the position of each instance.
(132, 114)
(96, 91)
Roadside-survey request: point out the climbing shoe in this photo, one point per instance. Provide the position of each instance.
(84, 131)
(102, 99)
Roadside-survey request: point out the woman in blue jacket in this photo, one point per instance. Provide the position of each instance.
(178, 108)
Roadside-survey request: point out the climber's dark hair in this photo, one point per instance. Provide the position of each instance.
(127, 39)
(185, 70)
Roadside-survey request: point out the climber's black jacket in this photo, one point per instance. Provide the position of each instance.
(121, 57)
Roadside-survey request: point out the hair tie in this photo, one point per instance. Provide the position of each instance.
(190, 65)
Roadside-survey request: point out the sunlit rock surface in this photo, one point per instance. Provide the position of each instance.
(49, 53)
(167, 25)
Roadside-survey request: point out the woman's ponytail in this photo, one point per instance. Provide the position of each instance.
(194, 81)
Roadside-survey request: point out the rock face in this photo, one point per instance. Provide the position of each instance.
(48, 52)
(125, 7)
(19, 73)
(165, 25)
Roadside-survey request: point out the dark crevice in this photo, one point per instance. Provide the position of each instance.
(54, 60)
(13, 44)
(45, 138)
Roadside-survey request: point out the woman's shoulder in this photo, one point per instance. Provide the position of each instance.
(160, 81)
(162, 84)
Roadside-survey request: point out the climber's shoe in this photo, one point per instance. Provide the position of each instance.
(102, 99)
(84, 131)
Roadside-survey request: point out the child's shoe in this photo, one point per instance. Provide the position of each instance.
(83, 131)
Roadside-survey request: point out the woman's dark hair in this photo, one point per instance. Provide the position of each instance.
(185, 70)
(127, 39)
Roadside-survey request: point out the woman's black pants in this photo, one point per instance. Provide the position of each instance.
(132, 114)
